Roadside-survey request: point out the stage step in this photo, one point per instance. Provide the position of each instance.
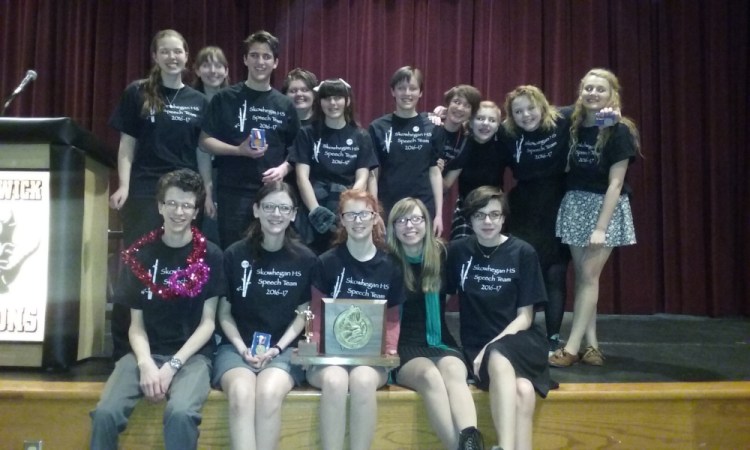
(578, 415)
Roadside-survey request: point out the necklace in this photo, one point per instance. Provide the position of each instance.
(187, 282)
(487, 256)
(171, 103)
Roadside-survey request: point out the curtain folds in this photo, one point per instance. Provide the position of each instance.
(683, 66)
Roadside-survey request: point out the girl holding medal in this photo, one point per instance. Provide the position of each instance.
(431, 363)
(269, 277)
(159, 123)
(499, 283)
(357, 267)
(595, 214)
(331, 154)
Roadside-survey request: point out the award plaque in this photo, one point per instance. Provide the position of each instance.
(353, 327)
(354, 334)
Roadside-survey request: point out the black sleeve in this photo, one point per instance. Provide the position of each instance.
(366, 158)
(621, 145)
(531, 289)
(127, 117)
(300, 151)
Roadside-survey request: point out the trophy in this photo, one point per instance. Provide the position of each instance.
(353, 333)
(307, 347)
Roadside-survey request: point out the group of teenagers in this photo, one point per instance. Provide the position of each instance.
(317, 207)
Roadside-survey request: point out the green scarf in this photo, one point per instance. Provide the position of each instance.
(432, 306)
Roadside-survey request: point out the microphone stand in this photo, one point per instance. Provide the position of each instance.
(8, 102)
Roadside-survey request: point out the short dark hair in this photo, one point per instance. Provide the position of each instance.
(263, 37)
(407, 73)
(480, 197)
(184, 179)
(303, 75)
(470, 93)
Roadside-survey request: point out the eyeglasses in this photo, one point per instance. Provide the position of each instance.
(493, 215)
(270, 208)
(173, 205)
(414, 220)
(363, 216)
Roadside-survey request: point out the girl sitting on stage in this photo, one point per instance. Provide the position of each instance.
(499, 282)
(431, 363)
(257, 382)
(357, 267)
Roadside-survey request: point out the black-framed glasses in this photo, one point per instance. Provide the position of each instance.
(270, 208)
(414, 220)
(493, 215)
(173, 205)
(363, 216)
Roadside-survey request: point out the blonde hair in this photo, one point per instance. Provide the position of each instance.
(579, 114)
(549, 113)
(431, 252)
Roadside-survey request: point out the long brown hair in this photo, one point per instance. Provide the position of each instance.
(432, 250)
(254, 233)
(579, 114)
(152, 97)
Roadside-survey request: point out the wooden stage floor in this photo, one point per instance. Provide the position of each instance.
(669, 382)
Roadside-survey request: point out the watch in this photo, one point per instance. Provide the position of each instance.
(175, 363)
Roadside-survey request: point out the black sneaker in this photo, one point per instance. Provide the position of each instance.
(470, 439)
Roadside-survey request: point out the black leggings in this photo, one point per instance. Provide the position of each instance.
(555, 281)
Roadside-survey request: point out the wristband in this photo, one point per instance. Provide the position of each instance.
(277, 348)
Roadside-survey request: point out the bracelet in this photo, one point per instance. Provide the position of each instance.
(277, 348)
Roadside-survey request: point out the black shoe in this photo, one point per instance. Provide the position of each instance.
(470, 439)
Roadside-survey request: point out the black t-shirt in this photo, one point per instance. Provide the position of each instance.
(169, 323)
(449, 145)
(482, 164)
(165, 141)
(233, 112)
(537, 154)
(264, 293)
(405, 153)
(490, 290)
(344, 277)
(333, 155)
(414, 313)
(588, 174)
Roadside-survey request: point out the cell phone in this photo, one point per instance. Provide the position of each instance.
(258, 138)
(605, 119)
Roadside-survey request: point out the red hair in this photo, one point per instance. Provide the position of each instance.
(378, 227)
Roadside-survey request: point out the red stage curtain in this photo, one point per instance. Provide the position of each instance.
(683, 66)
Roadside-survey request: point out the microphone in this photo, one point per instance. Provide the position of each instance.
(30, 76)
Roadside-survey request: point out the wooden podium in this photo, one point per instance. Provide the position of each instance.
(54, 187)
